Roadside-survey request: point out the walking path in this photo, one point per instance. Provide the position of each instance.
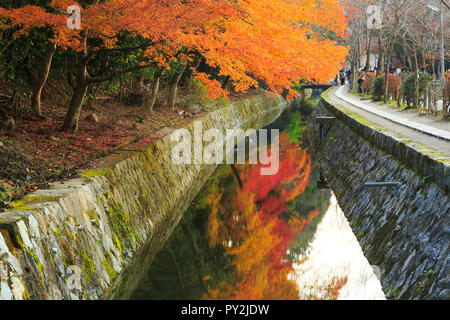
(424, 130)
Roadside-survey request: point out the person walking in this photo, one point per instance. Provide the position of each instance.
(342, 77)
(349, 76)
(361, 78)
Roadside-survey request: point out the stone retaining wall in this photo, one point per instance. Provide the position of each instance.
(106, 228)
(404, 231)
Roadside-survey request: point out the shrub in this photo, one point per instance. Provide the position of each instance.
(409, 88)
(368, 82)
(394, 86)
(378, 88)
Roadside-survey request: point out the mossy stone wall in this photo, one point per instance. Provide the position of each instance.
(105, 228)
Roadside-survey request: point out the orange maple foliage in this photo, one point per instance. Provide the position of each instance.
(249, 225)
(275, 41)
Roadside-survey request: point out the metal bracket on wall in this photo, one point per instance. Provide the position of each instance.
(322, 121)
(394, 184)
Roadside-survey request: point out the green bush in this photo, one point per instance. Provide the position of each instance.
(378, 88)
(409, 87)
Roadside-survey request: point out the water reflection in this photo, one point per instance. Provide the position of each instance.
(245, 235)
(335, 253)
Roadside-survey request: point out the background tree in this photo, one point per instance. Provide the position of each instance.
(419, 38)
(32, 24)
(358, 37)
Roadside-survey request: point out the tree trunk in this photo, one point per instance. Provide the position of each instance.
(238, 177)
(198, 60)
(368, 52)
(416, 81)
(352, 72)
(356, 66)
(386, 84)
(121, 88)
(380, 59)
(73, 115)
(356, 73)
(179, 273)
(386, 74)
(155, 88)
(225, 82)
(41, 78)
(189, 233)
(429, 99)
(174, 87)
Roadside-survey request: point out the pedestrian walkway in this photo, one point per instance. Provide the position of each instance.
(409, 125)
(394, 116)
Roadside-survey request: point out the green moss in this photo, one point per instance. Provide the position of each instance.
(324, 94)
(36, 260)
(359, 220)
(19, 240)
(109, 269)
(343, 190)
(396, 292)
(7, 239)
(121, 222)
(26, 294)
(87, 265)
(92, 214)
(116, 240)
(429, 278)
(363, 120)
(25, 203)
(99, 172)
(68, 234)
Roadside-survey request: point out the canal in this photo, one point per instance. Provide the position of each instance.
(250, 236)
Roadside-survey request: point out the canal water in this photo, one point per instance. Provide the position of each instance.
(250, 236)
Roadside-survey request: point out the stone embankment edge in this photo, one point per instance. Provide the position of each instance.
(435, 132)
(95, 237)
(404, 231)
(431, 168)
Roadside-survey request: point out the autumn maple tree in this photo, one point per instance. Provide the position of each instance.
(274, 42)
(54, 27)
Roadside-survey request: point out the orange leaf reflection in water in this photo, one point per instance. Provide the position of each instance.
(249, 225)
